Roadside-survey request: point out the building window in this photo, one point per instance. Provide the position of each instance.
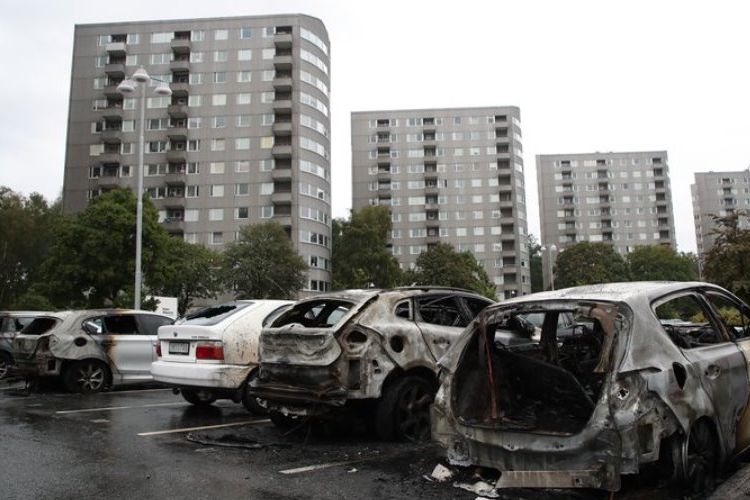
(242, 166)
(219, 122)
(216, 190)
(241, 213)
(221, 56)
(220, 77)
(217, 167)
(217, 238)
(242, 189)
(219, 100)
(218, 145)
(216, 214)
(244, 76)
(266, 188)
(243, 98)
(244, 55)
(243, 120)
(242, 143)
(221, 34)
(245, 32)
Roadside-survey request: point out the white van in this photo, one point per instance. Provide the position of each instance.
(212, 353)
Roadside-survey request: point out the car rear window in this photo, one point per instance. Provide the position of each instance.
(39, 326)
(214, 314)
(315, 314)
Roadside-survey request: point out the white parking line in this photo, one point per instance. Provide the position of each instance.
(130, 391)
(218, 426)
(112, 408)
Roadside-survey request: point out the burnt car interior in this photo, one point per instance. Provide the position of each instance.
(315, 314)
(548, 384)
(686, 322)
(39, 326)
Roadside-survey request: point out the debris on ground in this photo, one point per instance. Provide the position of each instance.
(440, 473)
(233, 441)
(481, 488)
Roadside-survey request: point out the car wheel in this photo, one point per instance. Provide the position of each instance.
(87, 377)
(698, 460)
(403, 411)
(5, 363)
(199, 397)
(249, 401)
(284, 422)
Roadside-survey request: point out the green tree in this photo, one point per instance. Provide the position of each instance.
(535, 264)
(588, 263)
(728, 261)
(27, 232)
(660, 263)
(92, 263)
(441, 265)
(262, 264)
(186, 271)
(360, 257)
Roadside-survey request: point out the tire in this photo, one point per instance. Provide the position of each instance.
(87, 377)
(250, 402)
(403, 412)
(198, 397)
(698, 460)
(6, 361)
(284, 422)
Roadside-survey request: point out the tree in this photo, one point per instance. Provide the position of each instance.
(660, 263)
(26, 236)
(360, 257)
(535, 264)
(587, 263)
(92, 262)
(441, 265)
(186, 271)
(727, 262)
(262, 264)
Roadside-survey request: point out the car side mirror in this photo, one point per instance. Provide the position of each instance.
(91, 328)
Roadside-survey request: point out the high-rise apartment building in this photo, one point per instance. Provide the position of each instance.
(448, 175)
(243, 138)
(718, 194)
(619, 198)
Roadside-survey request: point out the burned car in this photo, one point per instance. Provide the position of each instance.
(90, 350)
(370, 351)
(12, 322)
(651, 375)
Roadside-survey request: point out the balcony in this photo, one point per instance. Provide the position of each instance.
(175, 179)
(111, 136)
(282, 62)
(180, 66)
(108, 181)
(282, 84)
(180, 45)
(111, 157)
(112, 112)
(177, 133)
(431, 190)
(116, 48)
(282, 174)
(111, 91)
(115, 70)
(433, 223)
(173, 225)
(283, 198)
(284, 105)
(432, 239)
(179, 89)
(178, 110)
(281, 151)
(177, 156)
(282, 128)
(282, 40)
(174, 201)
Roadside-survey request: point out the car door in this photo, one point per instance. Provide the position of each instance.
(129, 351)
(713, 355)
(441, 318)
(735, 317)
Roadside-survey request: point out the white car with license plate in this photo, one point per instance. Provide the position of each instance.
(213, 353)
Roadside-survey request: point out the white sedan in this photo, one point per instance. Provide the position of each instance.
(213, 353)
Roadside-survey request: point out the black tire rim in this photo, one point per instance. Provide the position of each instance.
(90, 377)
(413, 412)
(699, 451)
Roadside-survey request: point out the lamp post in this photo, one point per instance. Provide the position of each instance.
(550, 251)
(127, 87)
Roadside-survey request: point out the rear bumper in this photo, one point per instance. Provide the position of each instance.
(208, 375)
(38, 366)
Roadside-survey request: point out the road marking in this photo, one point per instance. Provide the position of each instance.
(328, 465)
(112, 408)
(100, 421)
(130, 391)
(218, 426)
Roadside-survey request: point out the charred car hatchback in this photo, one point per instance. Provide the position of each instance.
(648, 374)
(90, 350)
(371, 351)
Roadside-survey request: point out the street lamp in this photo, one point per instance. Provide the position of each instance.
(127, 87)
(550, 251)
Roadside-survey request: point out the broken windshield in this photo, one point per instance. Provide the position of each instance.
(315, 314)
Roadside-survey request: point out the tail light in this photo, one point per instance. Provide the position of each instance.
(157, 345)
(210, 350)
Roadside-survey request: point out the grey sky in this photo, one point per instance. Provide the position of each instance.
(588, 76)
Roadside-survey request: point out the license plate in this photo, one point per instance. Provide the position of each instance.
(179, 347)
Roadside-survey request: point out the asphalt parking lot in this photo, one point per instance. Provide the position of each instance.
(150, 443)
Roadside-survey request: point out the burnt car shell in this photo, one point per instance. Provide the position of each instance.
(605, 401)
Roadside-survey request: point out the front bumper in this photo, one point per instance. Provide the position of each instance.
(208, 375)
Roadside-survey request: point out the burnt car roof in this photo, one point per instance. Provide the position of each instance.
(362, 295)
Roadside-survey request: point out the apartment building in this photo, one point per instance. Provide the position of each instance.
(718, 194)
(244, 137)
(619, 198)
(448, 175)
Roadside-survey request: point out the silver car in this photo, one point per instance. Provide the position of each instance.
(12, 322)
(648, 374)
(91, 350)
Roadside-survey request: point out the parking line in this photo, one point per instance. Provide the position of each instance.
(217, 426)
(130, 391)
(112, 408)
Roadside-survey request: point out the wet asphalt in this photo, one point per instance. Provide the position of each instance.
(149, 443)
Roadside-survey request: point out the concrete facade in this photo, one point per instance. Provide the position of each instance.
(718, 194)
(448, 175)
(244, 138)
(623, 199)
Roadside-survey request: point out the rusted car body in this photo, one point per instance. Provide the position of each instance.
(373, 349)
(91, 349)
(652, 373)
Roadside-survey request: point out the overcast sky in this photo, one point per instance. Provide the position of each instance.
(588, 76)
